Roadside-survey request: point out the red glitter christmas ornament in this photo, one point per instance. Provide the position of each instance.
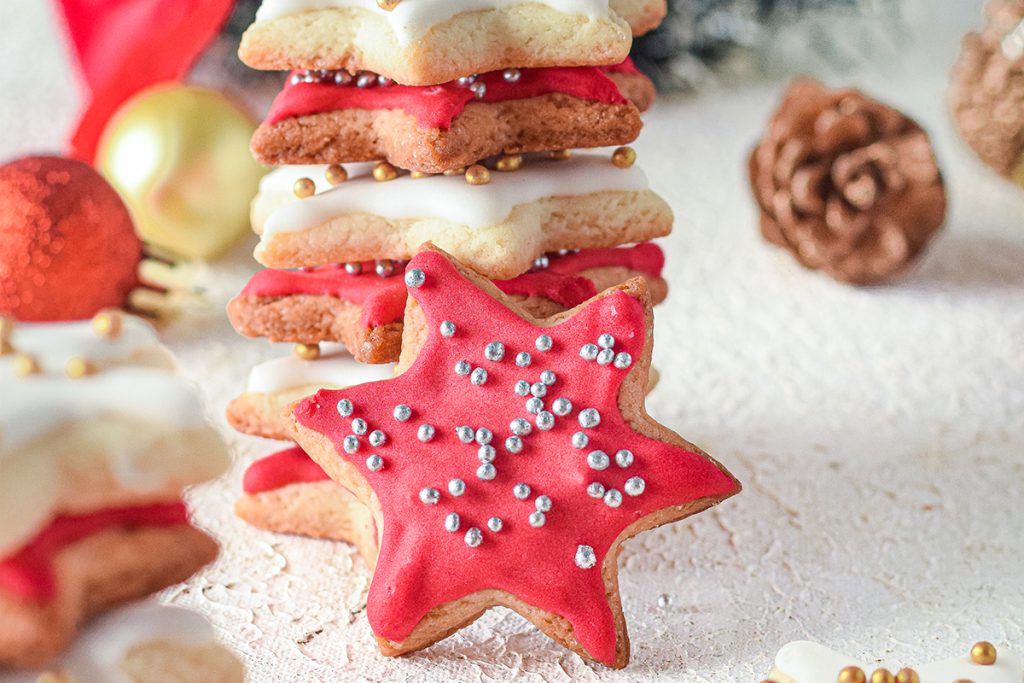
(67, 244)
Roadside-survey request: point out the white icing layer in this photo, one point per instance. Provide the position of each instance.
(808, 662)
(441, 197)
(412, 19)
(335, 369)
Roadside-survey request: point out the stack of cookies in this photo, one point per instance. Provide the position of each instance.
(433, 226)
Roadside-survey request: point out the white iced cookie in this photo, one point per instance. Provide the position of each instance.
(424, 42)
(807, 662)
(278, 383)
(497, 229)
(142, 643)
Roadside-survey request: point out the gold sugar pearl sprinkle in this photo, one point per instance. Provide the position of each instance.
(452, 172)
(509, 162)
(560, 154)
(419, 175)
(388, 5)
(624, 157)
(336, 174)
(383, 172)
(851, 674)
(25, 365)
(307, 351)
(882, 676)
(983, 653)
(304, 188)
(907, 676)
(478, 174)
(108, 324)
(79, 367)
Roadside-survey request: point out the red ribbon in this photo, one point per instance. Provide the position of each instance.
(125, 46)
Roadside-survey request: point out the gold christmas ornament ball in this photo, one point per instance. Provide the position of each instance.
(383, 172)
(882, 676)
(307, 351)
(624, 157)
(78, 367)
(108, 324)
(907, 676)
(983, 653)
(560, 154)
(478, 174)
(179, 157)
(509, 162)
(304, 188)
(851, 674)
(336, 174)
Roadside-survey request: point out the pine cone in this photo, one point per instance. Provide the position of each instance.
(987, 92)
(847, 184)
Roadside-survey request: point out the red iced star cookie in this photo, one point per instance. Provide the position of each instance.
(508, 462)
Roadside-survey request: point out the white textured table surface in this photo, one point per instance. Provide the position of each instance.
(879, 432)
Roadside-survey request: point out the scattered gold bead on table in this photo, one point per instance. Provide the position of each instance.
(383, 172)
(624, 157)
(388, 5)
(560, 154)
(851, 674)
(108, 324)
(419, 175)
(907, 676)
(882, 676)
(304, 188)
(510, 162)
(477, 174)
(25, 365)
(78, 367)
(336, 174)
(455, 171)
(307, 351)
(983, 653)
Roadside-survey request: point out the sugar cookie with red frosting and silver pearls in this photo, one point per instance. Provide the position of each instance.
(508, 462)
(804, 661)
(496, 223)
(98, 439)
(426, 42)
(334, 117)
(142, 643)
(362, 304)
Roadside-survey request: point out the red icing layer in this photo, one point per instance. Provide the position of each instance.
(383, 299)
(626, 67)
(28, 574)
(436, 106)
(290, 466)
(421, 565)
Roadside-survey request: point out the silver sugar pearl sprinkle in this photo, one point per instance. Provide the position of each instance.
(359, 426)
(495, 351)
(545, 421)
(521, 491)
(414, 278)
(595, 490)
(580, 440)
(365, 80)
(378, 438)
(342, 77)
(464, 81)
(511, 75)
(606, 341)
(561, 407)
(474, 537)
(624, 458)
(523, 359)
(465, 434)
(598, 460)
(664, 600)
(586, 558)
(345, 407)
(523, 387)
(447, 329)
(484, 436)
(452, 522)
(543, 503)
(403, 412)
(534, 405)
(623, 360)
(538, 519)
(589, 352)
(375, 463)
(463, 368)
(384, 81)
(486, 472)
(478, 377)
(456, 487)
(605, 357)
(430, 496)
(425, 433)
(514, 444)
(590, 418)
(479, 90)
(486, 453)
(635, 486)
(350, 444)
(539, 390)
(544, 343)
(354, 268)
(541, 262)
(548, 378)
(495, 524)
(385, 268)
(612, 498)
(520, 427)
